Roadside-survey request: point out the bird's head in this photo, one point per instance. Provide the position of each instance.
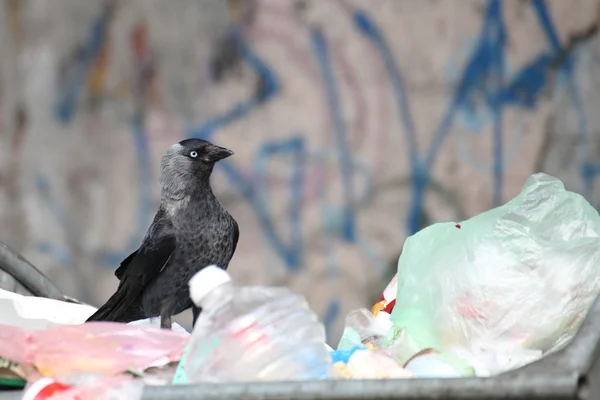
(187, 164)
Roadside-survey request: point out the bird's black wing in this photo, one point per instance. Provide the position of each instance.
(137, 271)
(236, 236)
(123, 267)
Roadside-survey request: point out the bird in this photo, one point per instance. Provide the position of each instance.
(190, 230)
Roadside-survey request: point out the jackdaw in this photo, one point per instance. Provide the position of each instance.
(190, 231)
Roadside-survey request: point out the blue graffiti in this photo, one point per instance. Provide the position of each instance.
(290, 253)
(482, 81)
(483, 84)
(67, 104)
(525, 89)
(419, 172)
(146, 204)
(65, 111)
(331, 314)
(270, 88)
(484, 77)
(44, 189)
(588, 170)
(295, 147)
(320, 48)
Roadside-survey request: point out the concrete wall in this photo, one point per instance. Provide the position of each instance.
(339, 112)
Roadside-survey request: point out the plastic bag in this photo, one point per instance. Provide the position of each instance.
(522, 275)
(115, 387)
(38, 312)
(487, 361)
(366, 364)
(99, 347)
(363, 327)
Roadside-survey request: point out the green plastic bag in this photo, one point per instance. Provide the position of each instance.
(520, 276)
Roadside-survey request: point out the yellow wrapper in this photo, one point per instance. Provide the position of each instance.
(378, 307)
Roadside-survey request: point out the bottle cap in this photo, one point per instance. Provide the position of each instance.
(44, 389)
(205, 281)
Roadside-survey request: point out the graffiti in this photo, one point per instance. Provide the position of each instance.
(89, 58)
(320, 48)
(146, 203)
(227, 57)
(339, 155)
(295, 146)
(481, 82)
(45, 192)
(270, 87)
(145, 88)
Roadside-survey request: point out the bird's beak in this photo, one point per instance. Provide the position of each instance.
(217, 153)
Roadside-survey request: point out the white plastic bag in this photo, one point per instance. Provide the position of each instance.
(32, 312)
(522, 275)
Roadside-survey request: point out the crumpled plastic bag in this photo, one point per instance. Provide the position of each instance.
(363, 327)
(522, 275)
(32, 312)
(95, 347)
(366, 364)
(486, 362)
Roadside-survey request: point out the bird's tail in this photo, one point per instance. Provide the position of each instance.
(116, 309)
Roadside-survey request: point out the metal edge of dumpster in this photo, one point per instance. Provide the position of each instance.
(572, 373)
(27, 274)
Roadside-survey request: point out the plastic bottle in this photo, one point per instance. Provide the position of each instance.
(252, 333)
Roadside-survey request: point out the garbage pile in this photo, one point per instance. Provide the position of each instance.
(474, 298)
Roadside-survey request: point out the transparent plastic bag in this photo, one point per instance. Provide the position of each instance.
(520, 276)
(367, 364)
(96, 347)
(362, 327)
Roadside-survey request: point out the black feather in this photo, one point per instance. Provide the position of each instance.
(135, 272)
(121, 270)
(235, 235)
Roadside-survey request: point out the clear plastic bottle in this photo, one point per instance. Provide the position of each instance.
(253, 333)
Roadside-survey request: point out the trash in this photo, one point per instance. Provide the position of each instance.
(344, 355)
(12, 374)
(45, 388)
(253, 333)
(119, 387)
(433, 364)
(162, 375)
(518, 277)
(387, 301)
(360, 362)
(99, 347)
(480, 297)
(55, 353)
(31, 312)
(364, 327)
(350, 339)
(366, 364)
(155, 323)
(486, 361)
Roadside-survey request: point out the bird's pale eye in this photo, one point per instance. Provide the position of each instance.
(193, 154)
